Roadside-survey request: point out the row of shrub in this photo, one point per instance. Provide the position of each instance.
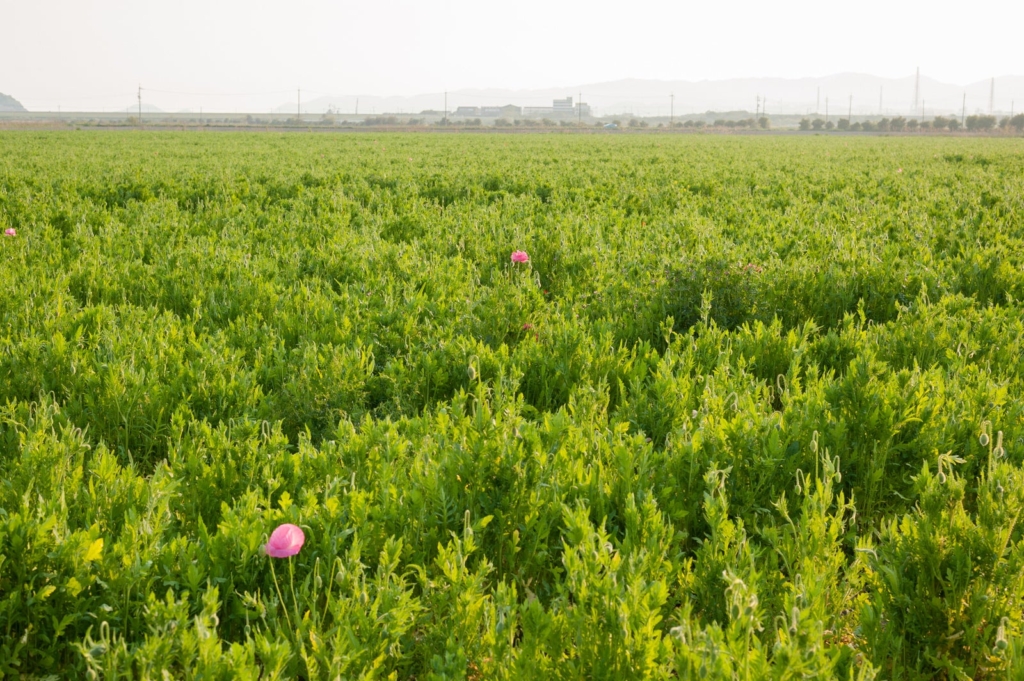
(979, 123)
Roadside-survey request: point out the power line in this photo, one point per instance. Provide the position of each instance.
(62, 99)
(223, 94)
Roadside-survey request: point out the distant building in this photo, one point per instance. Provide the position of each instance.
(507, 111)
(560, 108)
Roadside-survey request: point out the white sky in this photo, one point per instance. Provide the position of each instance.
(92, 54)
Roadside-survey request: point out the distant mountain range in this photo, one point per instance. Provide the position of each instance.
(8, 103)
(146, 108)
(842, 93)
(839, 94)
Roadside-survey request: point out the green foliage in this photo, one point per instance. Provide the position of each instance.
(750, 411)
(981, 122)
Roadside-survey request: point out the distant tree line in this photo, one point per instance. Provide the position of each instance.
(977, 123)
(381, 120)
(763, 122)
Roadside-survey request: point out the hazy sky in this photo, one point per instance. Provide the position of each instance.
(253, 54)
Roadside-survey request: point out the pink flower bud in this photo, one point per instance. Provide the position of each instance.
(285, 541)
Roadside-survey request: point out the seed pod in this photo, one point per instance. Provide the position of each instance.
(1001, 643)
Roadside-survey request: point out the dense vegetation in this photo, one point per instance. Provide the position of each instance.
(751, 410)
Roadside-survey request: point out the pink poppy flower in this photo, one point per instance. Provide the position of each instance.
(10, 232)
(285, 541)
(520, 256)
(527, 326)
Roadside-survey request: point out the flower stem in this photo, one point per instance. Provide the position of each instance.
(291, 580)
(278, 587)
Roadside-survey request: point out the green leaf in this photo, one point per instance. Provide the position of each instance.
(95, 551)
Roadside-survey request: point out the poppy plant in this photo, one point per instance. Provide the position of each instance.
(285, 541)
(10, 231)
(520, 256)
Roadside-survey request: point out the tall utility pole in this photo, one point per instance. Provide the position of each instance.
(757, 106)
(917, 88)
(817, 105)
(992, 98)
(140, 104)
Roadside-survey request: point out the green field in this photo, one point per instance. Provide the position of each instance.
(752, 410)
